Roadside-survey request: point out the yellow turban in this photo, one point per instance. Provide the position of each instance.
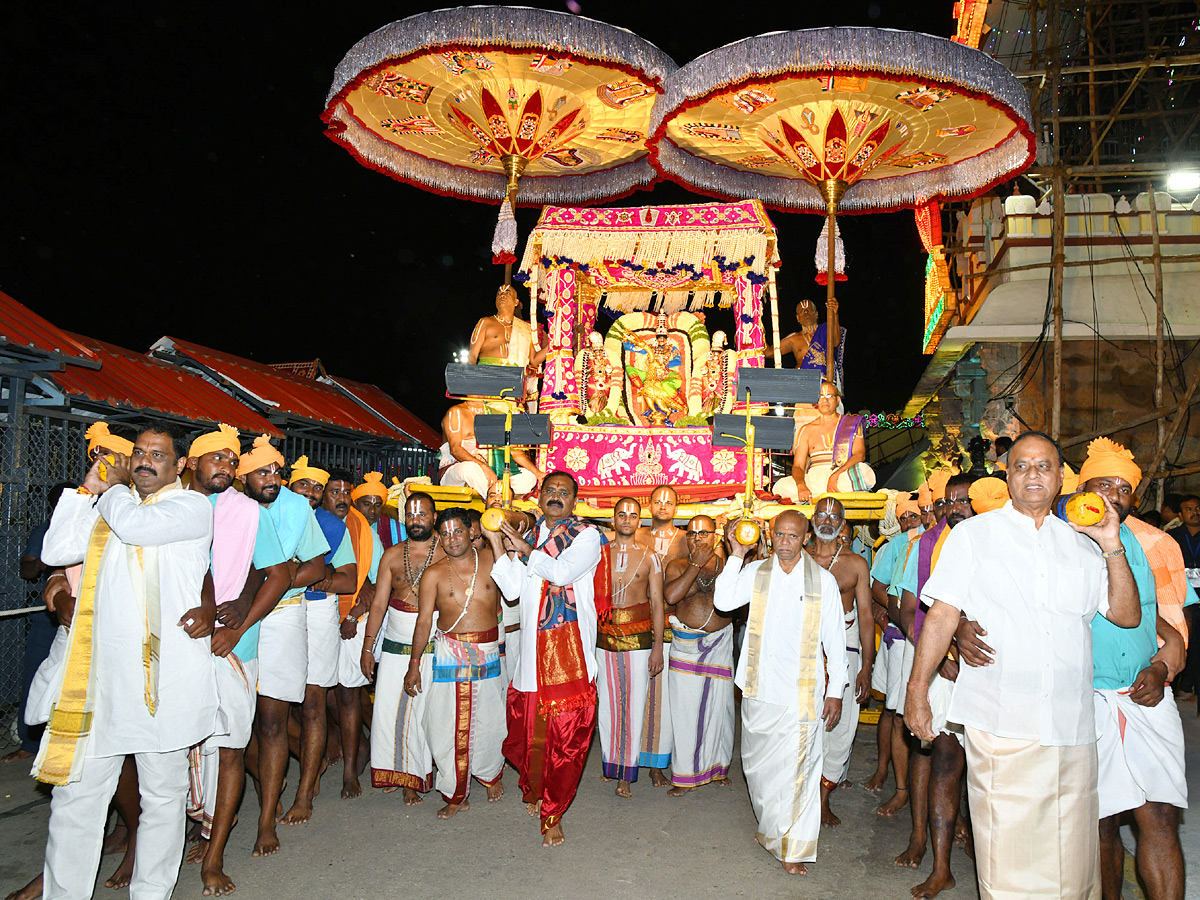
(98, 435)
(224, 438)
(907, 505)
(1108, 458)
(1070, 481)
(301, 469)
(372, 486)
(924, 497)
(988, 493)
(260, 455)
(937, 483)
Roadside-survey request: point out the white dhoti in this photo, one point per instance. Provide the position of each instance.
(283, 653)
(1034, 814)
(781, 759)
(400, 755)
(657, 738)
(238, 699)
(887, 676)
(701, 692)
(622, 686)
(838, 742)
(349, 667)
(465, 716)
(43, 690)
(324, 640)
(907, 655)
(941, 692)
(510, 645)
(475, 476)
(859, 477)
(1140, 753)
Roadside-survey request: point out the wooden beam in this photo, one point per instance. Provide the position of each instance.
(1176, 473)
(1170, 435)
(1125, 425)
(1187, 59)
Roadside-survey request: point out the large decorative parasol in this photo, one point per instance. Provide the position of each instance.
(480, 102)
(849, 119)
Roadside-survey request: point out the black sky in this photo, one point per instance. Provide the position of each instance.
(164, 171)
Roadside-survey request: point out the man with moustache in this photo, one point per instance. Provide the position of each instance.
(464, 706)
(346, 501)
(889, 659)
(795, 642)
(1033, 583)
(829, 549)
(630, 642)
(324, 637)
(701, 686)
(668, 543)
(563, 584)
(138, 675)
(283, 633)
(400, 754)
(250, 574)
(934, 775)
(1140, 745)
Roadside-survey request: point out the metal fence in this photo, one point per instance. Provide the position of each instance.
(37, 451)
(395, 460)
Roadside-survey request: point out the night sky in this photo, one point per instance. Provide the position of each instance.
(165, 171)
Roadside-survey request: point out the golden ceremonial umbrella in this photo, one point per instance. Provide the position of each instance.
(849, 119)
(477, 101)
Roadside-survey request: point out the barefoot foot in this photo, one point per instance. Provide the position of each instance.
(123, 875)
(351, 788)
(495, 791)
(912, 856)
(451, 808)
(411, 797)
(554, 836)
(795, 868)
(391, 790)
(623, 789)
(933, 885)
(300, 812)
(216, 882)
(874, 784)
(31, 891)
(196, 852)
(16, 756)
(267, 841)
(899, 801)
(534, 809)
(828, 818)
(659, 778)
(679, 791)
(117, 841)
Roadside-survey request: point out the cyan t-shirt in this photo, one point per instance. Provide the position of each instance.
(299, 534)
(1118, 654)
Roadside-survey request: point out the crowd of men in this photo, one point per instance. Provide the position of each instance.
(206, 632)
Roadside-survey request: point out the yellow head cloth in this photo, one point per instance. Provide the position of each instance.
(98, 435)
(301, 469)
(988, 493)
(937, 483)
(924, 496)
(1109, 458)
(224, 438)
(1070, 481)
(259, 455)
(907, 505)
(372, 486)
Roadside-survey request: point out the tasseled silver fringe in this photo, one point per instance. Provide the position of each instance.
(505, 238)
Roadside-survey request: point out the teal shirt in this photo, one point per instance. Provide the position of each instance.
(376, 556)
(1118, 654)
(905, 558)
(908, 578)
(267, 553)
(299, 534)
(885, 558)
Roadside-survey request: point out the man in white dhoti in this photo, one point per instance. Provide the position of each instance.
(465, 699)
(138, 674)
(795, 615)
(464, 462)
(1033, 583)
(400, 755)
(283, 633)
(1140, 744)
(701, 685)
(829, 454)
(829, 548)
(250, 575)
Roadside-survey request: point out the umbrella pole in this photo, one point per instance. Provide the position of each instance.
(514, 165)
(833, 189)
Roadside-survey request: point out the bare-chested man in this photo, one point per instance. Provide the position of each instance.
(668, 543)
(400, 755)
(631, 646)
(503, 339)
(701, 685)
(831, 550)
(829, 454)
(798, 342)
(466, 666)
(463, 462)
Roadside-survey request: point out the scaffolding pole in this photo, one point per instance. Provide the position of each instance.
(1058, 249)
(1156, 257)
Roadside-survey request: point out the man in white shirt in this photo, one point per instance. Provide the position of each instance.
(795, 614)
(553, 691)
(138, 676)
(1033, 583)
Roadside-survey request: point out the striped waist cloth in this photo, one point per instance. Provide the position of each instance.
(390, 646)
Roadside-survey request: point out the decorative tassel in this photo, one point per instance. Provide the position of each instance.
(822, 257)
(504, 241)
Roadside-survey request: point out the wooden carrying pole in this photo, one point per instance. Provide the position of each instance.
(833, 189)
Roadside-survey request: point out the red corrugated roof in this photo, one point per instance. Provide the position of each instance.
(21, 327)
(383, 405)
(301, 397)
(136, 381)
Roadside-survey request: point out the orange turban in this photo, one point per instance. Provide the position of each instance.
(372, 486)
(98, 435)
(937, 483)
(924, 497)
(907, 505)
(1070, 481)
(1108, 458)
(260, 455)
(224, 438)
(301, 469)
(988, 493)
